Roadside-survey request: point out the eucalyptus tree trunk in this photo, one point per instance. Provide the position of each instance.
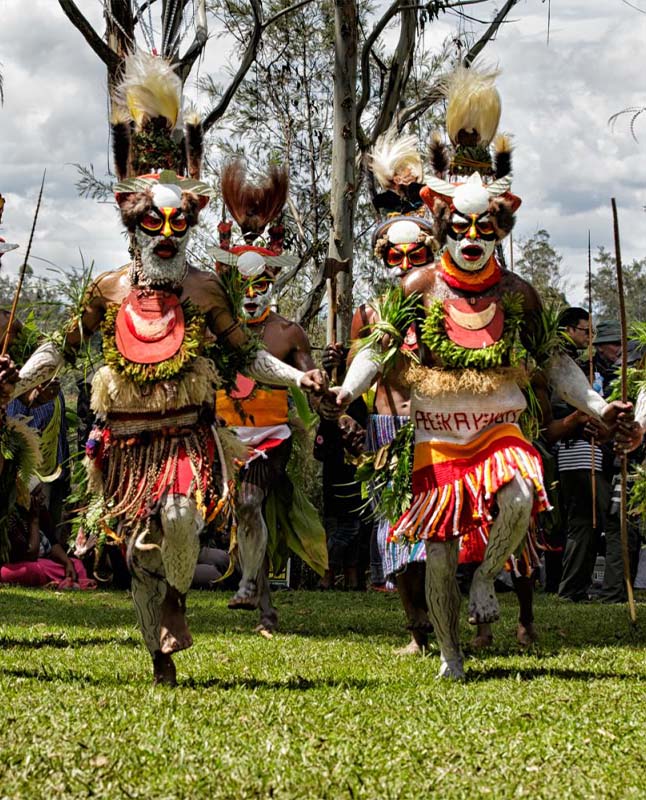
(343, 185)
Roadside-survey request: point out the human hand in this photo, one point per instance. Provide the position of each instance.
(314, 381)
(70, 572)
(8, 379)
(330, 408)
(352, 435)
(334, 357)
(613, 411)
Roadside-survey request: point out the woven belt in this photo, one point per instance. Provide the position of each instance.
(130, 424)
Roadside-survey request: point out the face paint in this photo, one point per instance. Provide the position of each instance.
(163, 257)
(257, 299)
(471, 240)
(400, 258)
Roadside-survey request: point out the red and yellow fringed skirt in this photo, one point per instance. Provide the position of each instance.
(455, 485)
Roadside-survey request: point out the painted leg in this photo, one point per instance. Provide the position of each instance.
(148, 591)
(412, 593)
(483, 638)
(181, 525)
(252, 545)
(526, 632)
(268, 614)
(515, 502)
(443, 598)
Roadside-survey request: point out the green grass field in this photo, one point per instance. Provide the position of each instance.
(323, 710)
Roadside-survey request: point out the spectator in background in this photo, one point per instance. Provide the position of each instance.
(573, 431)
(44, 410)
(36, 557)
(341, 493)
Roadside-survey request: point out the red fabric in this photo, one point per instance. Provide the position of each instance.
(42, 572)
(183, 480)
(435, 475)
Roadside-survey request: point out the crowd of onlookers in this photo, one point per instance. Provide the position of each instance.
(581, 473)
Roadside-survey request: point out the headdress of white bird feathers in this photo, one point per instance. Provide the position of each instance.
(471, 176)
(395, 160)
(146, 121)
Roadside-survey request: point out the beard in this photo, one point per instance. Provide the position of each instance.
(152, 268)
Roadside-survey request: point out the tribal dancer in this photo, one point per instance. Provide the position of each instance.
(155, 449)
(403, 242)
(477, 323)
(259, 413)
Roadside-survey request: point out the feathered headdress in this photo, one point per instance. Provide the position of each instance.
(471, 177)
(472, 116)
(254, 206)
(397, 166)
(395, 160)
(146, 113)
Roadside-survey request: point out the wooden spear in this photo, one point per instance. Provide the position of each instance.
(23, 269)
(593, 472)
(624, 397)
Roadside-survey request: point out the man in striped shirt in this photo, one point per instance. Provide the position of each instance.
(575, 456)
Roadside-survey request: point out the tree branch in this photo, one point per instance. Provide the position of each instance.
(369, 43)
(434, 95)
(476, 49)
(398, 74)
(199, 42)
(248, 58)
(103, 51)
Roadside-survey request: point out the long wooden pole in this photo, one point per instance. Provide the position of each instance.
(23, 270)
(624, 397)
(593, 472)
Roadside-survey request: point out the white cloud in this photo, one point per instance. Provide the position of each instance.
(556, 100)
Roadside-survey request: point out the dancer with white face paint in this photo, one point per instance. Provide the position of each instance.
(259, 412)
(475, 475)
(153, 452)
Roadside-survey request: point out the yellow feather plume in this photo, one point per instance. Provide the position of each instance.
(150, 88)
(473, 103)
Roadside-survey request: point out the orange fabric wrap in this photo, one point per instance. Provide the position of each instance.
(266, 407)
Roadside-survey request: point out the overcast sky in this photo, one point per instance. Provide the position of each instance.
(557, 99)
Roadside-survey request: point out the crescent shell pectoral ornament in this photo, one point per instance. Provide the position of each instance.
(474, 321)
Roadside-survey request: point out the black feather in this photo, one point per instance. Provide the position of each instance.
(121, 149)
(503, 163)
(439, 157)
(194, 149)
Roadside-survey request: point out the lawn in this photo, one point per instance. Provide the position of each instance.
(323, 710)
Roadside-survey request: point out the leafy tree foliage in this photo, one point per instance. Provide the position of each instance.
(605, 299)
(540, 264)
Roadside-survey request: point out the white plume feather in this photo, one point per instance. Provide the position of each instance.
(149, 88)
(393, 155)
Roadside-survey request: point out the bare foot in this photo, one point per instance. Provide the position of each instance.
(174, 634)
(164, 670)
(246, 598)
(526, 635)
(411, 649)
(483, 638)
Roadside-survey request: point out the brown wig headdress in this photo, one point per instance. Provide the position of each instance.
(257, 208)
